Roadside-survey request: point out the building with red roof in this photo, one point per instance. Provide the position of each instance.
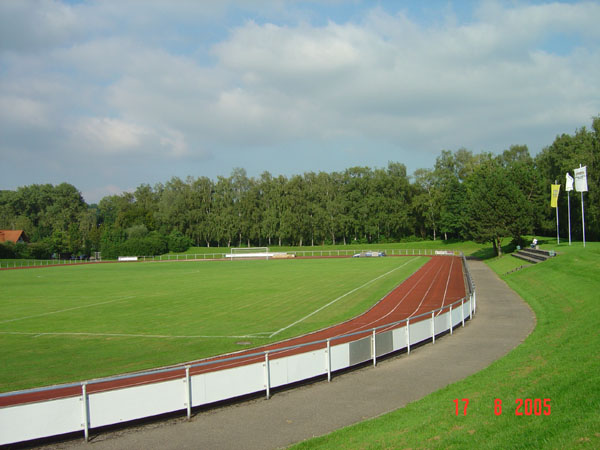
(13, 236)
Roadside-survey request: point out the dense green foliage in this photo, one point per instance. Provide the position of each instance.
(497, 206)
(66, 324)
(558, 361)
(470, 196)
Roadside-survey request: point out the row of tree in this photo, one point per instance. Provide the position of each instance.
(465, 195)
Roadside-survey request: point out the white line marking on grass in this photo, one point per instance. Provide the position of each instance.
(65, 310)
(339, 298)
(154, 336)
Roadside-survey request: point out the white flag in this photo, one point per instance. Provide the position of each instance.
(569, 186)
(581, 179)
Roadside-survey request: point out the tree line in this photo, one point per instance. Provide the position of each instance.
(465, 195)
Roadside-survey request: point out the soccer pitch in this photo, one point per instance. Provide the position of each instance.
(63, 324)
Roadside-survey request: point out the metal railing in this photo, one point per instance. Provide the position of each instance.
(304, 253)
(388, 326)
(26, 263)
(183, 372)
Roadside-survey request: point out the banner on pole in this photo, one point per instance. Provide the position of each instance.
(554, 197)
(581, 179)
(569, 185)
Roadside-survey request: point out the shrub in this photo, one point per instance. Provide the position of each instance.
(7, 250)
(40, 250)
(178, 242)
(137, 231)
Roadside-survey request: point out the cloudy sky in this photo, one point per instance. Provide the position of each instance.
(108, 95)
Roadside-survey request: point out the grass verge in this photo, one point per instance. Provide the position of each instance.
(559, 361)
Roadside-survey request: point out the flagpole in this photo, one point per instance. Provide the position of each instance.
(557, 233)
(569, 188)
(569, 210)
(582, 219)
(581, 186)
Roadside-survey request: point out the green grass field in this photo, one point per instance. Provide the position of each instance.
(560, 360)
(62, 324)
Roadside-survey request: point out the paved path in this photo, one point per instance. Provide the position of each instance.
(502, 321)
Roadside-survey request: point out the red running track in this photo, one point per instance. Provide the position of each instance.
(437, 284)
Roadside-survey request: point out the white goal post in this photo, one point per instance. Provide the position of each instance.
(250, 252)
(255, 253)
(242, 250)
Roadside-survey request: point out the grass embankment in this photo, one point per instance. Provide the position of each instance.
(559, 361)
(62, 324)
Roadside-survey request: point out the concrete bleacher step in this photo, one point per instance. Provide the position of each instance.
(525, 257)
(533, 255)
(546, 253)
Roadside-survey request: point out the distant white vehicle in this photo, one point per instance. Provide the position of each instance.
(368, 254)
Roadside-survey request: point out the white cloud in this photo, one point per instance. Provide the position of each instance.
(174, 142)
(33, 26)
(105, 135)
(534, 21)
(23, 112)
(109, 135)
(103, 79)
(291, 52)
(390, 78)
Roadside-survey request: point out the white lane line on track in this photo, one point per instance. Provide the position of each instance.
(432, 282)
(428, 289)
(337, 299)
(400, 302)
(65, 310)
(155, 336)
(260, 358)
(446, 290)
(396, 306)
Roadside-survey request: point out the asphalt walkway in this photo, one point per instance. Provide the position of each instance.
(502, 321)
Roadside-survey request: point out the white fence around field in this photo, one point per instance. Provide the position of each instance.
(305, 253)
(25, 263)
(18, 263)
(90, 410)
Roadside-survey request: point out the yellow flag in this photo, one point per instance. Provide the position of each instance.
(554, 197)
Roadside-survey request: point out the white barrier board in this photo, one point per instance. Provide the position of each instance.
(340, 356)
(457, 315)
(441, 323)
(420, 331)
(37, 420)
(297, 367)
(55, 417)
(230, 383)
(399, 335)
(121, 405)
